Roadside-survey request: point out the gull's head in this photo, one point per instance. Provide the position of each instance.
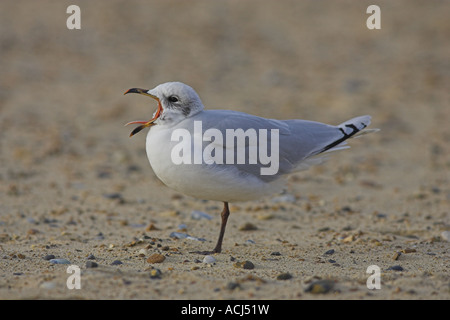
(176, 101)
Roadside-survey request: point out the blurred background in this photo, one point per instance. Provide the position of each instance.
(62, 108)
(73, 184)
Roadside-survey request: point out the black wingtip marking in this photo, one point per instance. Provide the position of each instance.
(345, 137)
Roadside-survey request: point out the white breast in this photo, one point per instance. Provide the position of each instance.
(202, 181)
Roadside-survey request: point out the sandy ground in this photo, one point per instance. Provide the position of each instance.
(74, 185)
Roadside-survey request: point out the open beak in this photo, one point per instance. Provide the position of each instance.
(144, 124)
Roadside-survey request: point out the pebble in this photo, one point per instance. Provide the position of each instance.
(396, 255)
(320, 286)
(329, 252)
(116, 262)
(233, 285)
(156, 258)
(91, 257)
(142, 252)
(284, 198)
(244, 265)
(151, 227)
(60, 261)
(209, 259)
(48, 285)
(99, 236)
(181, 235)
(91, 264)
(155, 274)
(169, 213)
(33, 231)
(445, 235)
(265, 216)
(4, 237)
(284, 276)
(248, 227)
(396, 268)
(114, 195)
(348, 239)
(49, 257)
(198, 215)
(178, 235)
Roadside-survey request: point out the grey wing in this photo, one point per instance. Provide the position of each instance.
(298, 144)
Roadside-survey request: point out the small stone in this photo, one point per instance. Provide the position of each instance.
(245, 265)
(233, 285)
(396, 268)
(284, 198)
(209, 259)
(155, 274)
(265, 216)
(284, 276)
(116, 262)
(4, 237)
(248, 227)
(180, 235)
(156, 258)
(60, 261)
(197, 215)
(169, 213)
(48, 285)
(320, 286)
(91, 257)
(142, 252)
(114, 195)
(33, 231)
(99, 236)
(348, 239)
(329, 252)
(396, 255)
(49, 257)
(91, 264)
(20, 256)
(445, 235)
(151, 227)
(275, 253)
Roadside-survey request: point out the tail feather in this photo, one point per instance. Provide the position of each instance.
(353, 128)
(350, 129)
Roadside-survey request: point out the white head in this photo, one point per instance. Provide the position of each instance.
(176, 101)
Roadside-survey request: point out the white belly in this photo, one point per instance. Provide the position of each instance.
(202, 181)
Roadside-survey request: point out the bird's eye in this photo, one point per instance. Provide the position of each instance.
(173, 99)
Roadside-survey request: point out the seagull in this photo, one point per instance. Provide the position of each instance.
(213, 154)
